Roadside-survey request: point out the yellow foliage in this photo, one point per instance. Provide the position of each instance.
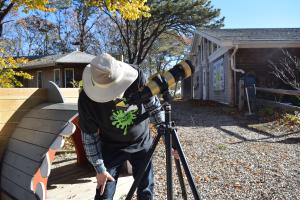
(33, 5)
(131, 10)
(8, 72)
(292, 119)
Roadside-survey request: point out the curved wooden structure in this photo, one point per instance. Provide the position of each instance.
(31, 148)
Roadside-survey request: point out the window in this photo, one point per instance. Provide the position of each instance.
(69, 77)
(39, 80)
(56, 77)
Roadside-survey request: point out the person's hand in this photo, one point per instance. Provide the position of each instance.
(175, 154)
(102, 178)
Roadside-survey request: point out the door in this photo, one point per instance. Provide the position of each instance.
(69, 77)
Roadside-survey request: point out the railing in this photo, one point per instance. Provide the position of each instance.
(279, 91)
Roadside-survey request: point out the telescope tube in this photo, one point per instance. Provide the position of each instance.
(161, 83)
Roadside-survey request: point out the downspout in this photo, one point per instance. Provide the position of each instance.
(232, 61)
(235, 70)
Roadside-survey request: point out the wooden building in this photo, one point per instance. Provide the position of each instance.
(61, 69)
(223, 56)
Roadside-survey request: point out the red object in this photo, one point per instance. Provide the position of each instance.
(76, 137)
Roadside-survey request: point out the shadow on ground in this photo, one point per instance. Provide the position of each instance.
(224, 118)
(70, 174)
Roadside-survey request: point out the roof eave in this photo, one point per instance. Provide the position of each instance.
(36, 66)
(267, 44)
(72, 62)
(210, 37)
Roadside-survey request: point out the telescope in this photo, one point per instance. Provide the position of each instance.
(160, 83)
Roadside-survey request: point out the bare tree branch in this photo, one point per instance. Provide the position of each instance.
(287, 69)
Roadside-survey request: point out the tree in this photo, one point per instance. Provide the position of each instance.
(129, 9)
(169, 16)
(8, 74)
(39, 35)
(6, 6)
(85, 19)
(287, 69)
(110, 39)
(166, 50)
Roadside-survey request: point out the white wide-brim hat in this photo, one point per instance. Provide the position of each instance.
(106, 78)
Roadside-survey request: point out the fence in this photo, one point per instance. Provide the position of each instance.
(280, 92)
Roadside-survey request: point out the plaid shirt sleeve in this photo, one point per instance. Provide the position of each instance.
(154, 107)
(92, 146)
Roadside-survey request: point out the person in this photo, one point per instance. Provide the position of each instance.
(109, 139)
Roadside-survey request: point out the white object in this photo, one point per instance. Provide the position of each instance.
(58, 143)
(40, 191)
(106, 78)
(68, 130)
(46, 166)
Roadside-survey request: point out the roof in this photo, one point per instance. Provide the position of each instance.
(52, 60)
(227, 37)
(76, 57)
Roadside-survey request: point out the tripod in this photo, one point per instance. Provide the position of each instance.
(170, 135)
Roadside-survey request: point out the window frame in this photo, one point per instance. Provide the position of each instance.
(37, 78)
(59, 76)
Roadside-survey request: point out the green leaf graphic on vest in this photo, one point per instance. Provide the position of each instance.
(122, 119)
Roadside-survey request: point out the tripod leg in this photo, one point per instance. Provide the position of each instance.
(181, 181)
(185, 166)
(141, 172)
(168, 146)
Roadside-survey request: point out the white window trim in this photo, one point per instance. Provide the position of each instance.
(66, 75)
(59, 76)
(37, 79)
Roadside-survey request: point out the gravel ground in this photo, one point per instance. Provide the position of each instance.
(232, 157)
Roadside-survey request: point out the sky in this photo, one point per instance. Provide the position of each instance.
(259, 13)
